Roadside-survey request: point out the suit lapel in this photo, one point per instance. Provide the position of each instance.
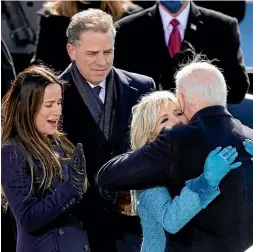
(98, 133)
(127, 97)
(156, 30)
(194, 26)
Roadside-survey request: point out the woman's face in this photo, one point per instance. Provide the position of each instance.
(48, 115)
(169, 115)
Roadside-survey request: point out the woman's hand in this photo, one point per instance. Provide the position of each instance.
(77, 169)
(248, 144)
(218, 163)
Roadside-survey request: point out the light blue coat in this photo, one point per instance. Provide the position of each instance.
(159, 212)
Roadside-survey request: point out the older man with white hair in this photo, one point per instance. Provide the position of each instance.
(178, 154)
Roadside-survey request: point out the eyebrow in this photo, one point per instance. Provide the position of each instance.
(52, 100)
(107, 50)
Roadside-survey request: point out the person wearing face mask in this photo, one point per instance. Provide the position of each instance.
(55, 17)
(156, 208)
(96, 110)
(43, 175)
(178, 154)
(167, 35)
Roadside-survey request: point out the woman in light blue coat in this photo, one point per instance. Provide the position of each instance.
(155, 206)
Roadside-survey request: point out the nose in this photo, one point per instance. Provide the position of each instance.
(57, 109)
(101, 59)
(176, 120)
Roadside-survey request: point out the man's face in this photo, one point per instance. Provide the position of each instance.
(174, 7)
(93, 54)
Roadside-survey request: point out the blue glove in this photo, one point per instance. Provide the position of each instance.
(219, 163)
(248, 144)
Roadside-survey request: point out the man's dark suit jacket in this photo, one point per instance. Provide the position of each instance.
(140, 47)
(80, 127)
(178, 155)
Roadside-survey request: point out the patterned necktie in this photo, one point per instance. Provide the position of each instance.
(174, 44)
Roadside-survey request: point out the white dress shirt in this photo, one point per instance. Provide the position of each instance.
(102, 91)
(166, 19)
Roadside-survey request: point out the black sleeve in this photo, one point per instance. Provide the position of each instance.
(144, 168)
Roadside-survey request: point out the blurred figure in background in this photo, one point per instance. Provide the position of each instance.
(8, 241)
(166, 35)
(54, 20)
(231, 8)
(7, 69)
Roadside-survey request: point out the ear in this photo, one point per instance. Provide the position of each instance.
(181, 101)
(71, 51)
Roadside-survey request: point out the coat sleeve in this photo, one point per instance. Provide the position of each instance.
(173, 214)
(141, 169)
(31, 212)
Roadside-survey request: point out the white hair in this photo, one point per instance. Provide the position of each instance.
(202, 83)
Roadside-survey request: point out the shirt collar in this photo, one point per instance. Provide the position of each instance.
(182, 17)
(101, 84)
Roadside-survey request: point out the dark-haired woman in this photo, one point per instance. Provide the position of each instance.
(43, 179)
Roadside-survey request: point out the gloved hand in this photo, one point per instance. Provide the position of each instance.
(219, 163)
(77, 169)
(248, 144)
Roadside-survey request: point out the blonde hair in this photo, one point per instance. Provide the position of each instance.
(145, 115)
(69, 8)
(89, 20)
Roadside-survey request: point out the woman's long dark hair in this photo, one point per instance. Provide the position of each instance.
(19, 107)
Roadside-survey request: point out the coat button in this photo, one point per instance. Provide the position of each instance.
(201, 191)
(61, 232)
(72, 201)
(86, 248)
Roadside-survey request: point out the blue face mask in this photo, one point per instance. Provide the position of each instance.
(172, 6)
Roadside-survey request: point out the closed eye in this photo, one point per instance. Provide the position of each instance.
(179, 113)
(164, 120)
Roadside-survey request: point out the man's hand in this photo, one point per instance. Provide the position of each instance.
(77, 169)
(248, 144)
(219, 163)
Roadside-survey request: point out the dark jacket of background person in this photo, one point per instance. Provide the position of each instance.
(178, 155)
(50, 225)
(100, 221)
(140, 47)
(8, 225)
(232, 8)
(52, 40)
(7, 69)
